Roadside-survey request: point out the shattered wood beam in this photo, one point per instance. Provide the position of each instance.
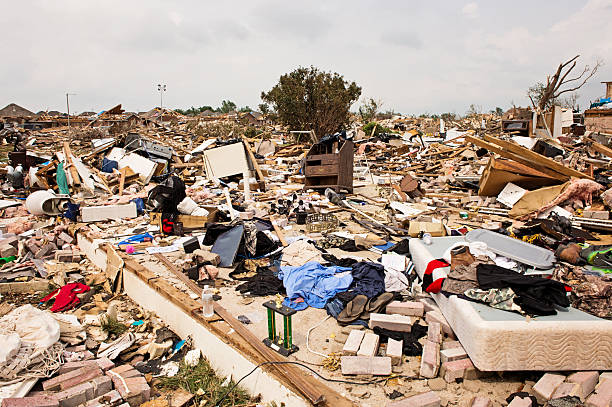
(538, 158)
(254, 161)
(600, 148)
(506, 154)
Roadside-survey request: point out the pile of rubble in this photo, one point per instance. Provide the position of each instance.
(405, 255)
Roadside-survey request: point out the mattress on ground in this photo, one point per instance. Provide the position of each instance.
(498, 340)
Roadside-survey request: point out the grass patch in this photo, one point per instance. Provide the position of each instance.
(111, 326)
(202, 381)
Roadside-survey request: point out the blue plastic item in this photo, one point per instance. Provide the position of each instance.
(136, 239)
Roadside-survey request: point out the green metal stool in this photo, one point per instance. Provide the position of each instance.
(282, 344)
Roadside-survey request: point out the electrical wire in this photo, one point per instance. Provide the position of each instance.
(289, 362)
(308, 335)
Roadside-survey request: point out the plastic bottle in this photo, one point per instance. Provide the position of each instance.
(207, 302)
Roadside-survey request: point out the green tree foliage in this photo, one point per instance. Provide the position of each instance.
(309, 99)
(226, 106)
(369, 109)
(367, 129)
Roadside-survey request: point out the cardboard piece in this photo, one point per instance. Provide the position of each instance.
(434, 229)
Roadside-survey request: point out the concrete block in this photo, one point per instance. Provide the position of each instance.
(395, 351)
(353, 342)
(104, 364)
(480, 401)
(429, 399)
(369, 345)
(33, 401)
(65, 237)
(400, 323)
(456, 369)
(369, 365)
(409, 308)
(448, 355)
(435, 316)
(108, 212)
(587, 382)
(546, 386)
(430, 360)
(434, 332)
(45, 250)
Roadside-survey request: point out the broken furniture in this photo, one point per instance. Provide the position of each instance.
(282, 344)
(329, 166)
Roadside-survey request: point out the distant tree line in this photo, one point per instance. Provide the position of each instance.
(226, 107)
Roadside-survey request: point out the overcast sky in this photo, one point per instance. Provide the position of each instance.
(415, 56)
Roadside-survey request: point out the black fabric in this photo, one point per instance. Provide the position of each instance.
(411, 345)
(261, 284)
(346, 262)
(401, 247)
(349, 246)
(535, 295)
(167, 195)
(368, 279)
(345, 297)
(213, 231)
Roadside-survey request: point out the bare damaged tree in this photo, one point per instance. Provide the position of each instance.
(553, 88)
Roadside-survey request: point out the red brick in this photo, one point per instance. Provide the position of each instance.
(89, 374)
(102, 363)
(430, 360)
(454, 370)
(369, 345)
(451, 345)
(409, 308)
(520, 402)
(436, 316)
(587, 382)
(72, 378)
(356, 365)
(429, 399)
(35, 401)
(395, 350)
(137, 391)
(546, 386)
(448, 355)
(602, 396)
(400, 323)
(434, 332)
(112, 398)
(480, 401)
(122, 368)
(353, 342)
(566, 389)
(79, 394)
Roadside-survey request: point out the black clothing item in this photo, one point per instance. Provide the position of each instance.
(411, 345)
(167, 195)
(345, 297)
(400, 248)
(368, 279)
(535, 295)
(261, 284)
(347, 262)
(213, 231)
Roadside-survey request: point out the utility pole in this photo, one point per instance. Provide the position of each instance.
(161, 88)
(68, 109)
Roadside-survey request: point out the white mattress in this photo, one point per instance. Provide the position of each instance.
(498, 340)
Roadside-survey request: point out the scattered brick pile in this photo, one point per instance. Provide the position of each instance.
(88, 383)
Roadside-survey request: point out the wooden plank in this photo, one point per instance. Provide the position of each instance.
(307, 386)
(600, 148)
(537, 158)
(506, 154)
(76, 179)
(279, 232)
(254, 161)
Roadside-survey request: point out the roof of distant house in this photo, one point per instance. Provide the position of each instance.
(14, 110)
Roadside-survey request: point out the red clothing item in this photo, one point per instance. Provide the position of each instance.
(66, 296)
(429, 284)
